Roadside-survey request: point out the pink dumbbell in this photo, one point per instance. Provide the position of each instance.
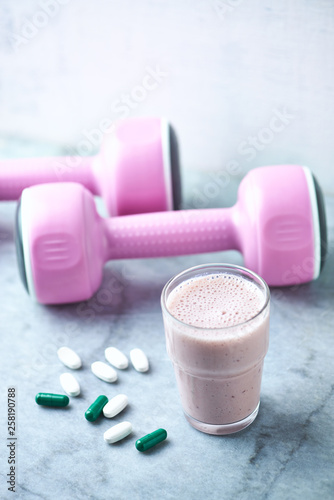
(136, 170)
(278, 223)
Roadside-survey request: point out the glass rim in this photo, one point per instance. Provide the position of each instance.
(232, 267)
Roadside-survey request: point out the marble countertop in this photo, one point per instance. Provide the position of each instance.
(287, 453)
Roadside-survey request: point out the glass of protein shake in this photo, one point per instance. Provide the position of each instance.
(216, 320)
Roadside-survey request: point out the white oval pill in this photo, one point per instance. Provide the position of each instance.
(116, 358)
(103, 371)
(70, 384)
(117, 432)
(139, 360)
(69, 358)
(115, 405)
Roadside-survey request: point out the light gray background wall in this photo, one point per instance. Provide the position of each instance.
(245, 81)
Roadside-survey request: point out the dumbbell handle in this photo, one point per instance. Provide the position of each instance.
(170, 233)
(17, 174)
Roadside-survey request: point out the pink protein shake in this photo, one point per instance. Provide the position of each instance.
(216, 321)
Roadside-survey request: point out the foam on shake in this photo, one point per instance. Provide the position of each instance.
(215, 301)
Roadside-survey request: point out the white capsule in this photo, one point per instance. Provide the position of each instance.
(117, 432)
(116, 358)
(139, 360)
(103, 371)
(115, 405)
(69, 358)
(70, 384)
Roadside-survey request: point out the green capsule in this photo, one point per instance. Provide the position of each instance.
(96, 408)
(150, 440)
(48, 399)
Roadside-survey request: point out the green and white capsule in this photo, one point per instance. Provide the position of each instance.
(115, 406)
(49, 399)
(95, 409)
(139, 360)
(117, 432)
(70, 384)
(104, 372)
(116, 358)
(69, 358)
(150, 440)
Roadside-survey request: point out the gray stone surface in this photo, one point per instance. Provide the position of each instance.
(287, 453)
